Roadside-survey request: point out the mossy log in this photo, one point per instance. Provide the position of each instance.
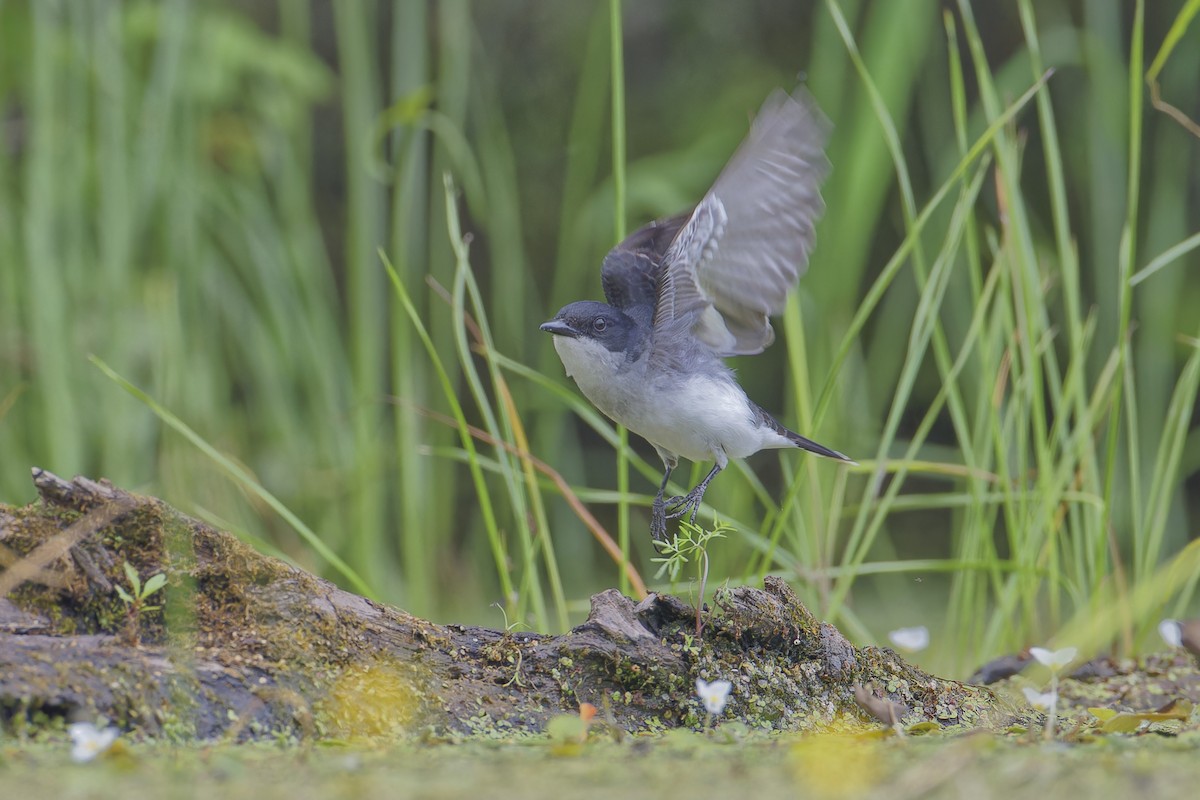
(244, 645)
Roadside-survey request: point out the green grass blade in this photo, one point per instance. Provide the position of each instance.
(243, 478)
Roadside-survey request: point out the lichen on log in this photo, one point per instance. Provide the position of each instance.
(247, 646)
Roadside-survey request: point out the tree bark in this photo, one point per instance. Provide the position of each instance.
(247, 646)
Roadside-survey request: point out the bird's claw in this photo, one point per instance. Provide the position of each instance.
(658, 527)
(678, 507)
(658, 521)
(687, 505)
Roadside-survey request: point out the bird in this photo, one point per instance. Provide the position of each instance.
(685, 292)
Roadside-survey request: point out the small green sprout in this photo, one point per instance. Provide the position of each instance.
(135, 600)
(1056, 660)
(691, 540)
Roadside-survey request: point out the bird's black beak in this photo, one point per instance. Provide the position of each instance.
(559, 328)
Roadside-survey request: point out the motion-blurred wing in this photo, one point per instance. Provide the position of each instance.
(747, 242)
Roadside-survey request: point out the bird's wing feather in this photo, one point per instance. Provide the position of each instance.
(747, 242)
(630, 272)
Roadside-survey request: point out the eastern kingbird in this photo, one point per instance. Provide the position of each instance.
(686, 291)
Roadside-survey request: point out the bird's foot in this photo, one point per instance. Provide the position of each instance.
(658, 520)
(686, 505)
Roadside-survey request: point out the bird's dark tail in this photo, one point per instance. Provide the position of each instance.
(813, 447)
(797, 439)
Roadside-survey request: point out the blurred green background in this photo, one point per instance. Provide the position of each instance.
(197, 194)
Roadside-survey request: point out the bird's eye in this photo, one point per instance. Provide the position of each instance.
(600, 324)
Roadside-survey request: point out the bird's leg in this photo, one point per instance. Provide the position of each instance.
(679, 506)
(658, 510)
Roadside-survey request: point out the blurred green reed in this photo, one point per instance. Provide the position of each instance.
(329, 281)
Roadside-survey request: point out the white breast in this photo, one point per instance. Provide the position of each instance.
(709, 419)
(702, 418)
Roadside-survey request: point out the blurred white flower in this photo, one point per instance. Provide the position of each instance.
(912, 639)
(1171, 632)
(1042, 700)
(713, 694)
(1054, 659)
(88, 741)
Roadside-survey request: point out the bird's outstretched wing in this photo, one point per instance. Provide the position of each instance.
(630, 273)
(747, 242)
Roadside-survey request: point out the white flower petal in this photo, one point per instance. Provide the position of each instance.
(1054, 659)
(88, 741)
(1171, 632)
(1041, 654)
(713, 694)
(911, 639)
(1042, 700)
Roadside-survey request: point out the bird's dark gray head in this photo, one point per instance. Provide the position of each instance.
(598, 322)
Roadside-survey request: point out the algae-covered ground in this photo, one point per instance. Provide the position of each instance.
(725, 763)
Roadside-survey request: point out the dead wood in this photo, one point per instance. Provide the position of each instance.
(248, 646)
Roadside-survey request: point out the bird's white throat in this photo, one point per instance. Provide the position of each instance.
(591, 364)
